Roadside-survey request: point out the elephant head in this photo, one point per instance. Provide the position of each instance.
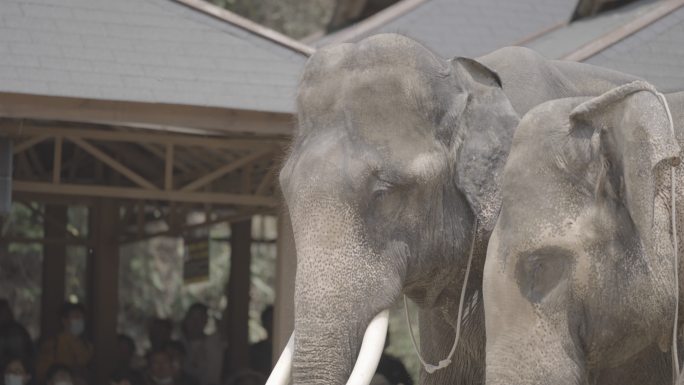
(396, 153)
(579, 276)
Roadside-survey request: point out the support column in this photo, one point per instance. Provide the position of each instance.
(54, 270)
(286, 268)
(103, 290)
(238, 295)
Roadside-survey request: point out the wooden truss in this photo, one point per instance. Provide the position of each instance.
(150, 171)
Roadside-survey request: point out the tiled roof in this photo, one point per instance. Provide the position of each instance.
(655, 53)
(468, 27)
(157, 51)
(653, 50)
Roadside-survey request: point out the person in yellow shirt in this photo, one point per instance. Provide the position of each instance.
(69, 347)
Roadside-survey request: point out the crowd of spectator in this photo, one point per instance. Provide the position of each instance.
(195, 358)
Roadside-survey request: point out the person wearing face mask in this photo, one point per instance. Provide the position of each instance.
(177, 353)
(123, 362)
(59, 374)
(16, 372)
(160, 368)
(69, 347)
(205, 351)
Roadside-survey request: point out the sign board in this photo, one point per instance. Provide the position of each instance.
(196, 259)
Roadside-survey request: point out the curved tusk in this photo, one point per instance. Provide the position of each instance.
(281, 372)
(371, 349)
(367, 362)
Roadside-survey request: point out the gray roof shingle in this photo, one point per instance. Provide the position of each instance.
(474, 27)
(155, 51)
(654, 53)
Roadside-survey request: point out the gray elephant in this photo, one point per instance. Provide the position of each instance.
(579, 280)
(396, 160)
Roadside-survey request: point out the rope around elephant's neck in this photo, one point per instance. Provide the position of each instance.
(447, 361)
(673, 218)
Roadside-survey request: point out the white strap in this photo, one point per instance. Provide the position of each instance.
(447, 361)
(673, 218)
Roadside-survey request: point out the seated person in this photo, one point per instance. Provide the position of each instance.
(159, 369)
(123, 370)
(16, 371)
(205, 351)
(15, 342)
(159, 332)
(69, 347)
(177, 352)
(59, 374)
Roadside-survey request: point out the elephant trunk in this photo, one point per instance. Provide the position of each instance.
(366, 363)
(342, 284)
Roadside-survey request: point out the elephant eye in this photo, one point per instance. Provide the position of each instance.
(381, 185)
(381, 189)
(541, 271)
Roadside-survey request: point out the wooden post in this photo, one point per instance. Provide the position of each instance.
(286, 267)
(103, 291)
(54, 270)
(238, 295)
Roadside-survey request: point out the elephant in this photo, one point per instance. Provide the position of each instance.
(579, 279)
(393, 173)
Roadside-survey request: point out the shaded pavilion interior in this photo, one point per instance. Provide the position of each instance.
(177, 108)
(127, 176)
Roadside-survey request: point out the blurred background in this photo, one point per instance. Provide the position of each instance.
(140, 142)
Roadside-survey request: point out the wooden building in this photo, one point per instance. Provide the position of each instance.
(133, 106)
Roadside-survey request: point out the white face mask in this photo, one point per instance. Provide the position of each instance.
(76, 326)
(14, 379)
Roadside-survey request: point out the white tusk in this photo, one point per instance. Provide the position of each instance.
(371, 349)
(281, 372)
(367, 362)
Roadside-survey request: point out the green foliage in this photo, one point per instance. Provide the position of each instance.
(295, 18)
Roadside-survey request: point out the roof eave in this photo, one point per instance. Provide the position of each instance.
(248, 25)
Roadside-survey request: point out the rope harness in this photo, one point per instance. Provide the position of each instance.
(430, 368)
(673, 218)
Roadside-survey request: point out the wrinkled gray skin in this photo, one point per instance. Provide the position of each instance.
(397, 152)
(579, 277)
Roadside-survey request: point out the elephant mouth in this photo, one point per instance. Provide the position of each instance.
(366, 362)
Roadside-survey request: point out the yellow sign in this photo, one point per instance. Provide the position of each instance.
(196, 260)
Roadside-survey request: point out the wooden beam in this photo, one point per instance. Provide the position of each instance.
(30, 142)
(113, 163)
(11, 128)
(103, 287)
(623, 31)
(223, 170)
(249, 26)
(57, 161)
(168, 168)
(36, 162)
(54, 270)
(139, 193)
(267, 181)
(145, 115)
(239, 282)
(237, 217)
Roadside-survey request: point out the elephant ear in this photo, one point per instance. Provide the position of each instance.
(486, 122)
(476, 71)
(635, 137)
